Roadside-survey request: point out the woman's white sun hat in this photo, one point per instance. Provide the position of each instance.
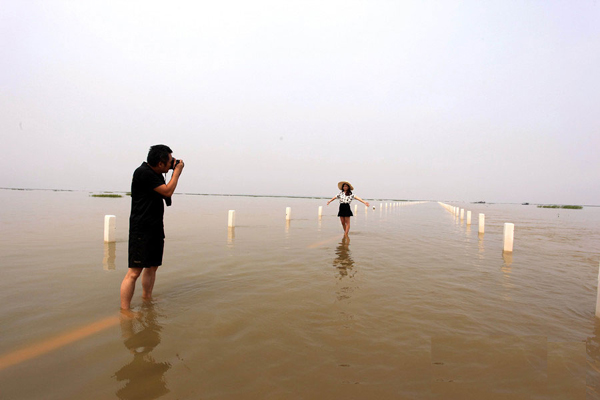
(341, 185)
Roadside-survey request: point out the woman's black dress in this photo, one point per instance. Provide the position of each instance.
(345, 210)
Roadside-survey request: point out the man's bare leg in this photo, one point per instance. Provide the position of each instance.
(148, 278)
(128, 287)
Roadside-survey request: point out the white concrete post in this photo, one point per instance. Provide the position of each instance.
(288, 213)
(355, 208)
(320, 211)
(468, 217)
(481, 223)
(509, 235)
(462, 213)
(598, 296)
(110, 228)
(231, 219)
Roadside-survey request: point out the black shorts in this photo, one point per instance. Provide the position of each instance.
(345, 210)
(145, 250)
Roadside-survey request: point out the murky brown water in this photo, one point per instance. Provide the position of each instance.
(415, 305)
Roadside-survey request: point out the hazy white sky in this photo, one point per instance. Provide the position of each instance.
(450, 100)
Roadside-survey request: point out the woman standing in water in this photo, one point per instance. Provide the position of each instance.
(346, 198)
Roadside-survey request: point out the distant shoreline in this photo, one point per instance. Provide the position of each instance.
(278, 196)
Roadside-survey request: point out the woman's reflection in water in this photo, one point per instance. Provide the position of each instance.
(344, 263)
(143, 375)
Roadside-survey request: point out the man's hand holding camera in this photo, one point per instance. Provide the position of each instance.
(168, 189)
(177, 166)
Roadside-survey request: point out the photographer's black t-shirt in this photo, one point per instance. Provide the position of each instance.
(147, 207)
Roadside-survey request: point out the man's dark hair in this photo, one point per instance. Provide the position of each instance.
(158, 153)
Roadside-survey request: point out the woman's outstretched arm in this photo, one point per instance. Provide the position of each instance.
(361, 200)
(331, 200)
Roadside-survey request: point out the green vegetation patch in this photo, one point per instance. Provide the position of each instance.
(111, 195)
(565, 207)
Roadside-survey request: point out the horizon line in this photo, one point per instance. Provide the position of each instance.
(289, 196)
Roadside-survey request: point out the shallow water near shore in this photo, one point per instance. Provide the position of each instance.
(414, 304)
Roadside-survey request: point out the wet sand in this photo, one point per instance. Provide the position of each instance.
(414, 305)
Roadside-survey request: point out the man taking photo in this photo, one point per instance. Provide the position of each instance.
(146, 228)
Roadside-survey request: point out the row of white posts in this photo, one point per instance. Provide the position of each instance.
(288, 215)
(288, 211)
(110, 220)
(509, 228)
(508, 234)
(110, 229)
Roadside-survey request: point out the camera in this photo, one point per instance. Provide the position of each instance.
(174, 163)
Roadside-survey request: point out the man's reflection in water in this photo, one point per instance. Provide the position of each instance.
(344, 262)
(144, 376)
